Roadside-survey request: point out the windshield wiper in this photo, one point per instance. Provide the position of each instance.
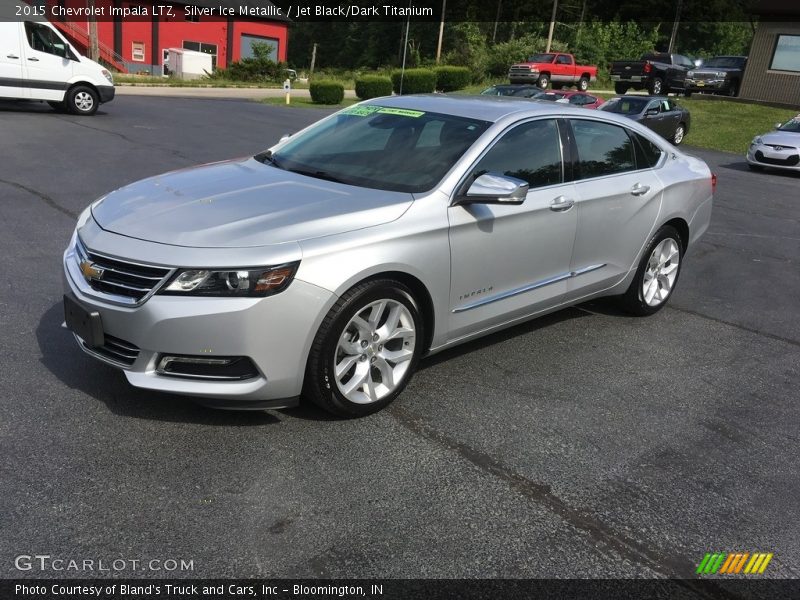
(266, 157)
(317, 175)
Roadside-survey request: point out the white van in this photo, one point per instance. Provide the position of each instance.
(37, 63)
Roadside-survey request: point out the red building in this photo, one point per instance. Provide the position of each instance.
(137, 44)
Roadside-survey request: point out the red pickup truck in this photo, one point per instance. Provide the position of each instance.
(557, 67)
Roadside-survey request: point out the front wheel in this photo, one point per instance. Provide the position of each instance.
(366, 349)
(657, 274)
(583, 84)
(620, 88)
(543, 81)
(82, 100)
(680, 132)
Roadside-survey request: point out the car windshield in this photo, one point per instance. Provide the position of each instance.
(393, 149)
(729, 62)
(625, 106)
(548, 96)
(499, 90)
(541, 58)
(793, 125)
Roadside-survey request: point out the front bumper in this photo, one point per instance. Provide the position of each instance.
(106, 93)
(706, 85)
(763, 155)
(275, 332)
(523, 77)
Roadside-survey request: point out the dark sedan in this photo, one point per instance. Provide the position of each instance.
(662, 115)
(518, 91)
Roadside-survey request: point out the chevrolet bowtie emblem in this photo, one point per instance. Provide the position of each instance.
(90, 270)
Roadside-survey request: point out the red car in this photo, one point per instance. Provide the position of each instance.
(558, 67)
(575, 98)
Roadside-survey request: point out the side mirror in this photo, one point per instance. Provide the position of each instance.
(651, 112)
(494, 188)
(778, 125)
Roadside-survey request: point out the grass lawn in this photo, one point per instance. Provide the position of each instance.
(730, 126)
(307, 103)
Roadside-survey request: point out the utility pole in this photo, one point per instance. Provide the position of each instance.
(675, 27)
(313, 59)
(441, 34)
(94, 46)
(552, 25)
(496, 19)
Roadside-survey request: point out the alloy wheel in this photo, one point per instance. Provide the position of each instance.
(662, 269)
(84, 101)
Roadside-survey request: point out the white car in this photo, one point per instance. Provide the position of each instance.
(778, 149)
(37, 63)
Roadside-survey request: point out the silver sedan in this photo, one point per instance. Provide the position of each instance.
(328, 265)
(778, 149)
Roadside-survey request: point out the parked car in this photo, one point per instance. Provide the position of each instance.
(658, 73)
(567, 97)
(719, 75)
(520, 91)
(663, 115)
(37, 63)
(390, 230)
(555, 67)
(778, 149)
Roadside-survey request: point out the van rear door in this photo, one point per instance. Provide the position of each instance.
(47, 64)
(11, 84)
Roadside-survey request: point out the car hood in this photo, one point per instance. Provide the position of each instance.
(242, 203)
(782, 138)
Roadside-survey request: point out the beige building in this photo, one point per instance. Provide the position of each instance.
(773, 66)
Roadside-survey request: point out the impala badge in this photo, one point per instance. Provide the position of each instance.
(90, 270)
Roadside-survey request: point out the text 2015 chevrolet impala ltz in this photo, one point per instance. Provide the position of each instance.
(328, 265)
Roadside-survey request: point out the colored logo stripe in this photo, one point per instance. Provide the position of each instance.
(733, 563)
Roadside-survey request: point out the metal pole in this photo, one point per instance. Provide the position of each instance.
(405, 47)
(552, 25)
(675, 26)
(313, 60)
(441, 34)
(496, 19)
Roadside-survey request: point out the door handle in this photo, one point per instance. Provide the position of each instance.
(34, 59)
(561, 203)
(14, 56)
(639, 189)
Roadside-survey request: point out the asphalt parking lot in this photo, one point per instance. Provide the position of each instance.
(585, 444)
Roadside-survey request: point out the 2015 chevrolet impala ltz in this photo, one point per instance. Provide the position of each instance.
(329, 264)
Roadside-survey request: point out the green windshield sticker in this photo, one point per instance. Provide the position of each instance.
(365, 111)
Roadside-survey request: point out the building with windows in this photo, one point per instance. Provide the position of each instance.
(138, 44)
(773, 67)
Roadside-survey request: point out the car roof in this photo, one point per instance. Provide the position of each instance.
(485, 108)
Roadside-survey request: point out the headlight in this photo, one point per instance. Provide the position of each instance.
(244, 283)
(757, 141)
(721, 74)
(107, 74)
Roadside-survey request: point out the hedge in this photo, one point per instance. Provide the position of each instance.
(450, 79)
(415, 81)
(326, 92)
(373, 86)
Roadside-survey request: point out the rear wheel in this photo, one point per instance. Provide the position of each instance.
(543, 81)
(680, 132)
(366, 349)
(656, 86)
(583, 84)
(733, 90)
(620, 88)
(82, 100)
(657, 274)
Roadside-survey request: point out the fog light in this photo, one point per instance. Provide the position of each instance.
(202, 367)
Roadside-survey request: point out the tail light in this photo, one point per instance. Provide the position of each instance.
(648, 67)
(713, 183)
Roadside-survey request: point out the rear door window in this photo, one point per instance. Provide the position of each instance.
(603, 149)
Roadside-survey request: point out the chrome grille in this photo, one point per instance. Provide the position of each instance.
(520, 70)
(121, 278)
(700, 76)
(115, 350)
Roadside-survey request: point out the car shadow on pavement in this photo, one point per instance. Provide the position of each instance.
(741, 165)
(36, 106)
(62, 357)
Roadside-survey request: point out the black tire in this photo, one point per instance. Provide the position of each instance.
(57, 106)
(755, 167)
(680, 133)
(543, 81)
(656, 86)
(733, 90)
(620, 88)
(583, 84)
(320, 384)
(82, 100)
(687, 93)
(633, 300)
